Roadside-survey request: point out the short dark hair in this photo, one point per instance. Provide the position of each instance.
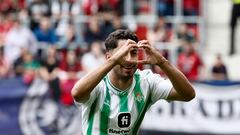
(112, 40)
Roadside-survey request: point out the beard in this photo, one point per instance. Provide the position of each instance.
(124, 72)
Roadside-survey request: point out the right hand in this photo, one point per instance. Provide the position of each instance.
(126, 54)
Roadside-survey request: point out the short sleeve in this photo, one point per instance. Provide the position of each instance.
(159, 86)
(93, 95)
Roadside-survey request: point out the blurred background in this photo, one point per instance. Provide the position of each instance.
(47, 45)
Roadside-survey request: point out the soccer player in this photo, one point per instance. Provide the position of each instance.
(115, 96)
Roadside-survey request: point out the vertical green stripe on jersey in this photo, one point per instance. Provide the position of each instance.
(123, 102)
(105, 112)
(141, 116)
(141, 105)
(91, 117)
(138, 95)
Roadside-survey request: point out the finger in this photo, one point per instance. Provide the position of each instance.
(146, 49)
(143, 42)
(130, 42)
(143, 62)
(132, 47)
(130, 62)
(145, 46)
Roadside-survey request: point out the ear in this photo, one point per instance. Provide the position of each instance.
(107, 55)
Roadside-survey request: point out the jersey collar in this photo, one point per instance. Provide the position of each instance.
(118, 91)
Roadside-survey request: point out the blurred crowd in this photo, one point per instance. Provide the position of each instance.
(43, 38)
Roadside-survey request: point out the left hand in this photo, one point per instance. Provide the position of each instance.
(152, 55)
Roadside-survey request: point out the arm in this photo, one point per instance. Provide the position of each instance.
(182, 89)
(82, 89)
(85, 85)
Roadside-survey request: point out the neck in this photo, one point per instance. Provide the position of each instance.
(120, 83)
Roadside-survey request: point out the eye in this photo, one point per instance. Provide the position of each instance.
(134, 52)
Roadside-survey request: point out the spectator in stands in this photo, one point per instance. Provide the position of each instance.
(18, 65)
(120, 7)
(234, 17)
(94, 58)
(19, 37)
(93, 31)
(219, 70)
(38, 9)
(141, 7)
(165, 7)
(21, 4)
(70, 72)
(49, 72)
(117, 22)
(30, 66)
(4, 65)
(26, 66)
(24, 17)
(91, 7)
(106, 6)
(189, 62)
(63, 9)
(110, 21)
(106, 25)
(182, 35)
(158, 33)
(7, 6)
(6, 24)
(190, 7)
(70, 66)
(45, 32)
(70, 39)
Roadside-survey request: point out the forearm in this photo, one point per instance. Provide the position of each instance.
(86, 84)
(179, 81)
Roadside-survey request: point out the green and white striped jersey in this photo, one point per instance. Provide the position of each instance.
(110, 111)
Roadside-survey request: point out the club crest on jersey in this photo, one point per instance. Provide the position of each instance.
(139, 97)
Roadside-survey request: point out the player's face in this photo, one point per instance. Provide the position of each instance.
(126, 70)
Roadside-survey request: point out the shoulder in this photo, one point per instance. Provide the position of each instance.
(144, 73)
(147, 75)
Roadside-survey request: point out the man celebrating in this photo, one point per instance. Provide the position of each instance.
(115, 96)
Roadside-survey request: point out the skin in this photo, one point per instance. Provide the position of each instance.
(121, 64)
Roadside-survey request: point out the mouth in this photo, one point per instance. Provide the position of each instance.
(128, 67)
